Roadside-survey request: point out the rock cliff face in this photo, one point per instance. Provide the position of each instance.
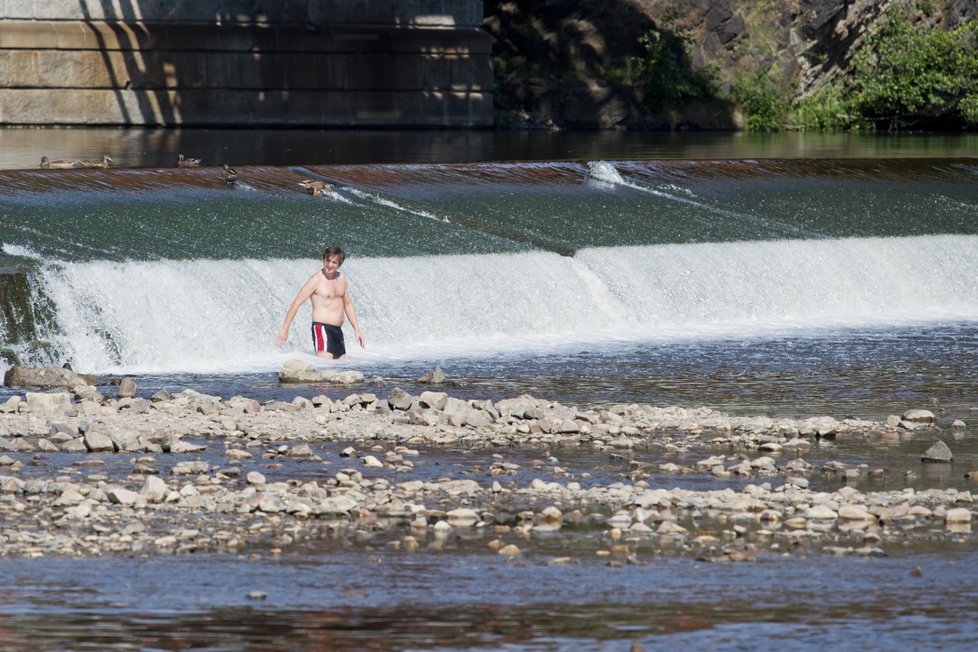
(578, 46)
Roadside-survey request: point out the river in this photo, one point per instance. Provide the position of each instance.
(784, 274)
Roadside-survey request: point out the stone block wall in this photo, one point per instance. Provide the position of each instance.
(290, 63)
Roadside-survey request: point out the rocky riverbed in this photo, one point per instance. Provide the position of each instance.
(83, 474)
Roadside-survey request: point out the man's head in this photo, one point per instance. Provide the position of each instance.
(334, 252)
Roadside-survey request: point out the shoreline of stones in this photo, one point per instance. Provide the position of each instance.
(172, 501)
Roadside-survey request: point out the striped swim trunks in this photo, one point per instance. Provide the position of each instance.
(329, 338)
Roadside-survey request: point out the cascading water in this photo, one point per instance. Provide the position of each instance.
(212, 315)
(446, 261)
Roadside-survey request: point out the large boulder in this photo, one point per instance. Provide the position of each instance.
(20, 376)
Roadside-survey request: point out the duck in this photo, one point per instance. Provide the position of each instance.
(318, 188)
(89, 163)
(230, 174)
(187, 162)
(47, 164)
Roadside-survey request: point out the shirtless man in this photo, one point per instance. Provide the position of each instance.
(330, 295)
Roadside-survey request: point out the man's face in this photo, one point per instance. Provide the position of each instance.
(331, 264)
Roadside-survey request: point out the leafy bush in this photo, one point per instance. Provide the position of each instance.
(906, 73)
(763, 100)
(664, 74)
(903, 76)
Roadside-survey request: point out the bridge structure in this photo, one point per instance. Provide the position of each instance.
(245, 63)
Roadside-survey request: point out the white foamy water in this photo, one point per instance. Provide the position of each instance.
(222, 315)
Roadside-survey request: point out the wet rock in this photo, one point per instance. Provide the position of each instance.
(127, 388)
(20, 376)
(336, 505)
(154, 489)
(372, 462)
(301, 451)
(121, 496)
(298, 371)
(433, 400)
(399, 400)
(919, 416)
(958, 515)
(938, 453)
(462, 517)
(190, 468)
(434, 377)
(97, 442)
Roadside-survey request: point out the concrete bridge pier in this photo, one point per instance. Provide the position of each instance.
(245, 63)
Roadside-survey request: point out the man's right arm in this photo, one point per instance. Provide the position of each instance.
(300, 298)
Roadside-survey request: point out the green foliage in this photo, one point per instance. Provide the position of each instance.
(904, 76)
(664, 75)
(906, 73)
(823, 110)
(764, 100)
(969, 109)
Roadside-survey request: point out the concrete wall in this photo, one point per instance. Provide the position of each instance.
(378, 63)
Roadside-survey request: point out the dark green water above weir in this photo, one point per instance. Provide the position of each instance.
(425, 210)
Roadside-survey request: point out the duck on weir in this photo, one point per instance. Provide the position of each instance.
(230, 175)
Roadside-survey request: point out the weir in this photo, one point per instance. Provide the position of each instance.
(170, 270)
(301, 63)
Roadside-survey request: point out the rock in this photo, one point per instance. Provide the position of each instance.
(476, 419)
(399, 400)
(938, 453)
(154, 489)
(820, 512)
(462, 517)
(336, 505)
(44, 403)
(180, 446)
(97, 442)
(855, 513)
(919, 416)
(127, 388)
(301, 450)
(255, 478)
(298, 371)
(19, 445)
(121, 496)
(190, 468)
(958, 515)
(434, 377)
(434, 400)
(19, 376)
(74, 446)
(959, 424)
(510, 550)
